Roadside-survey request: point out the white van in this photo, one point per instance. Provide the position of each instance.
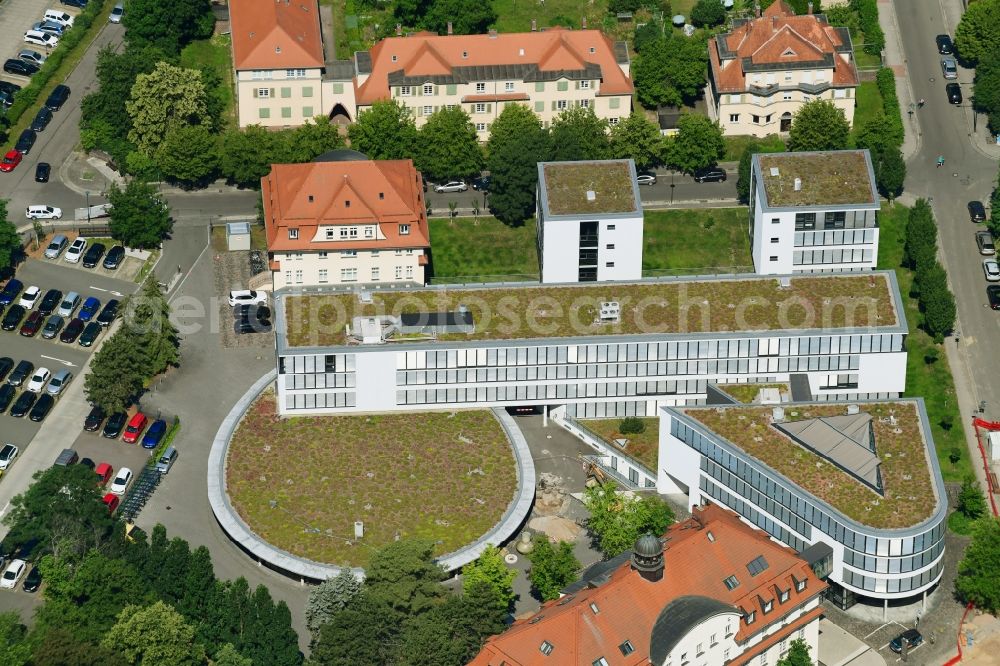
(58, 17)
(42, 212)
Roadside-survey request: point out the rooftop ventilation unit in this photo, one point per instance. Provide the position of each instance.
(610, 311)
(365, 297)
(784, 283)
(778, 414)
(798, 184)
(591, 195)
(775, 172)
(853, 409)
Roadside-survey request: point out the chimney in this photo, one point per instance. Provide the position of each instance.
(647, 558)
(449, 27)
(399, 29)
(534, 25)
(583, 23)
(810, 8)
(756, 9)
(493, 33)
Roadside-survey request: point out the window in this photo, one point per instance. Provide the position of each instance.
(307, 112)
(729, 628)
(399, 272)
(427, 110)
(584, 85)
(370, 231)
(394, 58)
(767, 605)
(600, 661)
(562, 86)
(352, 232)
(756, 119)
(609, 264)
(787, 96)
(546, 648)
(834, 220)
(428, 89)
(480, 127)
(612, 121)
(734, 117)
(349, 254)
(409, 272)
(293, 233)
(295, 73)
(323, 276)
(480, 87)
(539, 107)
(773, 257)
(699, 650)
(610, 246)
(338, 89)
(725, 654)
(405, 91)
(480, 107)
(343, 233)
(594, 608)
(684, 658)
(585, 103)
(286, 93)
(626, 648)
(508, 86)
(286, 112)
(288, 277)
(260, 75)
(800, 585)
(731, 583)
(611, 227)
(348, 274)
(775, 220)
(712, 642)
(539, 86)
(750, 617)
(404, 230)
(805, 221)
(757, 565)
(451, 89)
(783, 595)
(263, 93)
(775, 240)
(323, 255)
(329, 234)
(561, 104)
(614, 103)
(298, 277)
(375, 272)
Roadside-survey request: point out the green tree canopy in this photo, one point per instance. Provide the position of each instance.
(168, 26)
(819, 125)
(312, 139)
(708, 13)
(155, 634)
(977, 579)
(552, 567)
(797, 655)
(517, 144)
(578, 134)
(986, 92)
(385, 131)
(162, 99)
(492, 571)
(977, 36)
(117, 373)
(448, 147)
(467, 17)
(14, 649)
(139, 215)
(329, 598)
(247, 154)
(937, 302)
(671, 70)
(58, 647)
(361, 634)
(10, 240)
(890, 172)
(618, 520)
(697, 144)
(920, 246)
(637, 137)
(877, 135)
(147, 314)
(404, 577)
(971, 502)
(189, 154)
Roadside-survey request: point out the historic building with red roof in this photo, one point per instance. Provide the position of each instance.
(763, 70)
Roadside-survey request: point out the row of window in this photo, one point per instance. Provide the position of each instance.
(348, 275)
(786, 95)
(537, 392)
(320, 381)
(282, 93)
(293, 233)
(893, 565)
(429, 89)
(848, 237)
(320, 400)
(744, 490)
(893, 585)
(834, 220)
(820, 345)
(265, 74)
(285, 112)
(750, 513)
(621, 408)
(833, 256)
(315, 363)
(324, 254)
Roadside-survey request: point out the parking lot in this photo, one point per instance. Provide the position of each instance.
(18, 19)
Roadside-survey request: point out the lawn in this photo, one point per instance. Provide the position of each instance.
(735, 145)
(445, 477)
(643, 447)
(928, 374)
(485, 250)
(258, 238)
(869, 105)
(215, 54)
(516, 15)
(747, 393)
(697, 241)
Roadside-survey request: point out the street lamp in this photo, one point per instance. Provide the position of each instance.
(88, 206)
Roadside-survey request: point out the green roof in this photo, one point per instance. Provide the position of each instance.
(826, 178)
(648, 307)
(566, 185)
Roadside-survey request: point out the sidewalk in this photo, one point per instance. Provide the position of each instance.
(84, 174)
(896, 60)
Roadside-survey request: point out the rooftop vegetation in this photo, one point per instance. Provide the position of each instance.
(829, 178)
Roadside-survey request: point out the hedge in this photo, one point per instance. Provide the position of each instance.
(886, 81)
(868, 18)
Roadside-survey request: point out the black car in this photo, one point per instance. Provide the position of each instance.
(115, 425)
(13, 317)
(52, 327)
(21, 372)
(108, 313)
(712, 174)
(259, 312)
(977, 211)
(481, 184)
(954, 92)
(72, 331)
(7, 393)
(89, 335)
(94, 419)
(6, 364)
(42, 119)
(32, 581)
(58, 97)
(6, 99)
(87, 462)
(82, 4)
(18, 66)
(912, 638)
(993, 294)
(9, 88)
(25, 141)
(93, 255)
(42, 407)
(42, 171)
(944, 45)
(23, 404)
(114, 258)
(51, 300)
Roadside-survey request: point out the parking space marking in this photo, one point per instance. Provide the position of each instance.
(109, 291)
(53, 358)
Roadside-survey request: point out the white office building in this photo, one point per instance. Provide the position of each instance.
(813, 212)
(589, 221)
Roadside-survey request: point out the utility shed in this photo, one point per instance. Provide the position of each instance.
(237, 236)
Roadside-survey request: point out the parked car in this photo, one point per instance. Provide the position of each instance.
(912, 638)
(69, 304)
(13, 318)
(984, 240)
(69, 457)
(114, 425)
(116, 13)
(39, 38)
(949, 68)
(29, 297)
(134, 428)
(111, 501)
(56, 246)
(82, 4)
(11, 291)
(7, 455)
(58, 16)
(991, 270)
(39, 380)
(9, 88)
(452, 186)
(42, 212)
(89, 334)
(76, 250)
(993, 296)
(32, 324)
(93, 255)
(72, 331)
(155, 434)
(50, 301)
(944, 45)
(6, 98)
(32, 581)
(108, 313)
(646, 179)
(31, 56)
(52, 327)
(23, 404)
(482, 184)
(6, 365)
(90, 308)
(57, 97)
(94, 419)
(42, 172)
(25, 141)
(21, 373)
(247, 297)
(954, 92)
(49, 27)
(977, 211)
(712, 174)
(42, 408)
(7, 393)
(59, 381)
(13, 574)
(122, 481)
(166, 460)
(114, 258)
(10, 161)
(42, 119)
(20, 67)
(104, 472)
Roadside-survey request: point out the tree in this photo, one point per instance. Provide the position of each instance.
(246, 155)
(166, 97)
(329, 598)
(228, 656)
(971, 502)
(938, 305)
(199, 591)
(890, 172)
(697, 144)
(920, 246)
(10, 240)
(552, 567)
(312, 139)
(977, 579)
(708, 13)
(877, 135)
(467, 17)
(154, 634)
(578, 134)
(977, 36)
(189, 154)
(986, 92)
(448, 147)
(743, 180)
(492, 571)
(147, 316)
(819, 125)
(671, 70)
(517, 143)
(139, 216)
(14, 649)
(169, 26)
(636, 137)
(648, 33)
(797, 655)
(410, 12)
(385, 131)
(117, 373)
(360, 635)
(452, 633)
(618, 520)
(631, 425)
(58, 647)
(404, 577)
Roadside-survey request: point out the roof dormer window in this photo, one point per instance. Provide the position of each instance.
(394, 58)
(293, 233)
(783, 594)
(381, 195)
(310, 198)
(480, 87)
(277, 49)
(347, 203)
(750, 617)
(766, 604)
(593, 50)
(465, 54)
(546, 648)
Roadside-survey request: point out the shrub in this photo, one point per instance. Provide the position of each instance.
(886, 81)
(631, 425)
(868, 18)
(708, 13)
(954, 455)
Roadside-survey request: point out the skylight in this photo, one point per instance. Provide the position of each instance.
(757, 565)
(731, 583)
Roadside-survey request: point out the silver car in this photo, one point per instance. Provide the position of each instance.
(28, 55)
(452, 186)
(55, 248)
(117, 13)
(59, 381)
(949, 68)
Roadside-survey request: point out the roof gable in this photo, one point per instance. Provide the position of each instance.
(786, 39)
(268, 34)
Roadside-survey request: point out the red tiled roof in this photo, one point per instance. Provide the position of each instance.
(779, 36)
(555, 49)
(275, 34)
(695, 564)
(307, 196)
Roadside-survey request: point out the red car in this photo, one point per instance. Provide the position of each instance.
(111, 501)
(32, 324)
(11, 160)
(104, 472)
(134, 428)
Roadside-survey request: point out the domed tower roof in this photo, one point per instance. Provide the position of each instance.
(647, 557)
(648, 546)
